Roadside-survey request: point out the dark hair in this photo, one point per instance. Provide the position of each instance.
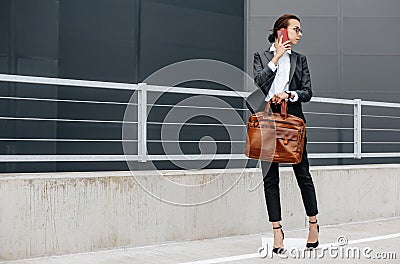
(281, 22)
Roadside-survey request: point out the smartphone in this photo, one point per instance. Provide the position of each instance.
(283, 32)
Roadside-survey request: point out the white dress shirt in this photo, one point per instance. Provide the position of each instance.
(281, 81)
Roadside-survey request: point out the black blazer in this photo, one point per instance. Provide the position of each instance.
(299, 81)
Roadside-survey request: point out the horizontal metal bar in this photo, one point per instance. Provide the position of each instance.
(64, 100)
(91, 158)
(380, 104)
(151, 105)
(67, 140)
(135, 122)
(381, 154)
(46, 158)
(198, 157)
(196, 141)
(66, 120)
(243, 141)
(332, 100)
(330, 155)
(199, 107)
(66, 82)
(377, 142)
(164, 105)
(167, 141)
(330, 142)
(340, 128)
(195, 124)
(379, 116)
(164, 141)
(334, 114)
(380, 129)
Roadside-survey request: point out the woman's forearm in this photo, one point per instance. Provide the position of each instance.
(275, 59)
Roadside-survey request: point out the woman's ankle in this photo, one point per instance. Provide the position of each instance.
(312, 219)
(276, 224)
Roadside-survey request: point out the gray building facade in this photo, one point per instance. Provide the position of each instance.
(352, 52)
(350, 45)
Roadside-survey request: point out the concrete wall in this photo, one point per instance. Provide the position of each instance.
(58, 213)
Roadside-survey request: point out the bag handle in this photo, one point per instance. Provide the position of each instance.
(283, 109)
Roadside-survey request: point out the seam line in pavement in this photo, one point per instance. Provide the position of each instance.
(255, 255)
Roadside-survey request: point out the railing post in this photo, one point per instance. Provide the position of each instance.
(142, 122)
(357, 129)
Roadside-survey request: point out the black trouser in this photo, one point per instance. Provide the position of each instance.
(304, 180)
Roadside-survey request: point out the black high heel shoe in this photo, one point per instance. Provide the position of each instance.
(313, 244)
(279, 250)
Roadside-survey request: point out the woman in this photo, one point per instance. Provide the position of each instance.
(283, 74)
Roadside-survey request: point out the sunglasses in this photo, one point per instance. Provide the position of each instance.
(298, 30)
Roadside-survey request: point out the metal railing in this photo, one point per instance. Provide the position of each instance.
(142, 123)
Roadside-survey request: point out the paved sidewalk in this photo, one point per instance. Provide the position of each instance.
(382, 236)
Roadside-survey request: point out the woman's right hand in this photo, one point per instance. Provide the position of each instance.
(280, 49)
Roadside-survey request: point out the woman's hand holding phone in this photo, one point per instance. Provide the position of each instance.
(280, 49)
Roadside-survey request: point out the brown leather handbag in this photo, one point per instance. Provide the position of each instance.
(275, 137)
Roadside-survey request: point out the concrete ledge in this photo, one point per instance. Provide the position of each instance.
(59, 213)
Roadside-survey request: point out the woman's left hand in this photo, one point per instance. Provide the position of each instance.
(279, 97)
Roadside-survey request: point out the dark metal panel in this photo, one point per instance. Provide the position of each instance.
(172, 31)
(97, 40)
(371, 36)
(36, 27)
(372, 74)
(371, 8)
(320, 8)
